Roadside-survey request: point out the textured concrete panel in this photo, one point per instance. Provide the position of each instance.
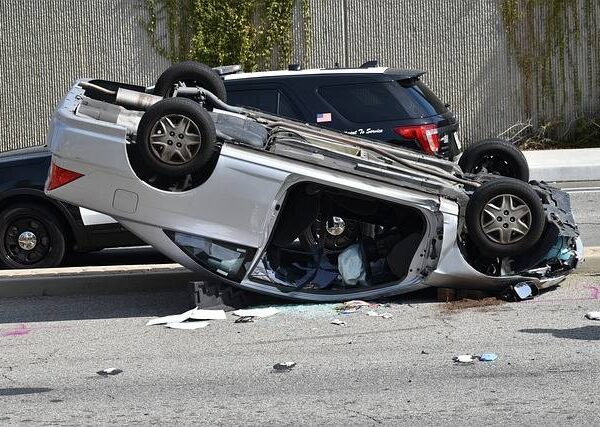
(46, 44)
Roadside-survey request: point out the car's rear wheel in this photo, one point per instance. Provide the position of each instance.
(190, 74)
(505, 217)
(32, 237)
(495, 156)
(175, 137)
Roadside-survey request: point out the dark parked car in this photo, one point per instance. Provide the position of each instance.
(386, 104)
(37, 231)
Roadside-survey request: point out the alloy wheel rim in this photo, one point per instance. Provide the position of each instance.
(175, 139)
(506, 219)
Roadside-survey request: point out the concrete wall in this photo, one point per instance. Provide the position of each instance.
(46, 44)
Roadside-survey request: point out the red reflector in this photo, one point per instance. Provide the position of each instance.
(426, 135)
(59, 177)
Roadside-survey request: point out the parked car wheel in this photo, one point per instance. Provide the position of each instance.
(497, 157)
(190, 73)
(175, 137)
(32, 237)
(338, 234)
(505, 217)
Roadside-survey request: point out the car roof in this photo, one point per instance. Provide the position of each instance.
(396, 73)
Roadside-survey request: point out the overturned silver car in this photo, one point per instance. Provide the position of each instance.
(284, 208)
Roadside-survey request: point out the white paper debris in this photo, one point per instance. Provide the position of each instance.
(175, 318)
(187, 325)
(372, 313)
(464, 358)
(198, 314)
(256, 312)
(593, 315)
(338, 322)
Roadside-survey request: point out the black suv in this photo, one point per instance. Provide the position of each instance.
(387, 104)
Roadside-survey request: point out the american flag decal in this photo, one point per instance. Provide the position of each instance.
(323, 117)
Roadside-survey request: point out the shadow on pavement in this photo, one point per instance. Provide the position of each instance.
(133, 304)
(56, 308)
(583, 333)
(23, 390)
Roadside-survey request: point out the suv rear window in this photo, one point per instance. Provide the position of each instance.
(386, 101)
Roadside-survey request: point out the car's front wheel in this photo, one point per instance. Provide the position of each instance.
(32, 237)
(505, 218)
(497, 157)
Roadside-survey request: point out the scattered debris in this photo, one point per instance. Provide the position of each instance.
(464, 358)
(469, 358)
(175, 318)
(178, 321)
(244, 319)
(352, 306)
(338, 322)
(256, 312)
(199, 314)
(593, 315)
(284, 366)
(488, 357)
(372, 313)
(187, 325)
(109, 371)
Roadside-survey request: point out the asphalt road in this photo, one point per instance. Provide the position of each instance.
(585, 203)
(372, 371)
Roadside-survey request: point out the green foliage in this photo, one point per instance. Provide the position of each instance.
(254, 33)
(536, 46)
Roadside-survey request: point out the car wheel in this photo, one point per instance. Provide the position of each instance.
(175, 137)
(191, 74)
(497, 157)
(505, 217)
(338, 234)
(32, 237)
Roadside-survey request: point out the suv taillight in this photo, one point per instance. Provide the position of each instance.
(426, 135)
(59, 177)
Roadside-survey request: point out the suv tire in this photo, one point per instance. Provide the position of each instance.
(31, 237)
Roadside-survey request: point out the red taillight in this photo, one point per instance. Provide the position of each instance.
(426, 135)
(59, 177)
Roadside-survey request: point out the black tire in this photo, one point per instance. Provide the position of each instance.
(179, 108)
(192, 74)
(48, 231)
(479, 214)
(497, 157)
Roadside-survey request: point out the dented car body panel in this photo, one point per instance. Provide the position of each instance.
(232, 223)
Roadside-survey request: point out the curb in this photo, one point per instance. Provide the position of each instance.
(581, 164)
(94, 280)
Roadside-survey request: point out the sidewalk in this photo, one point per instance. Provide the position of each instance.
(564, 165)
